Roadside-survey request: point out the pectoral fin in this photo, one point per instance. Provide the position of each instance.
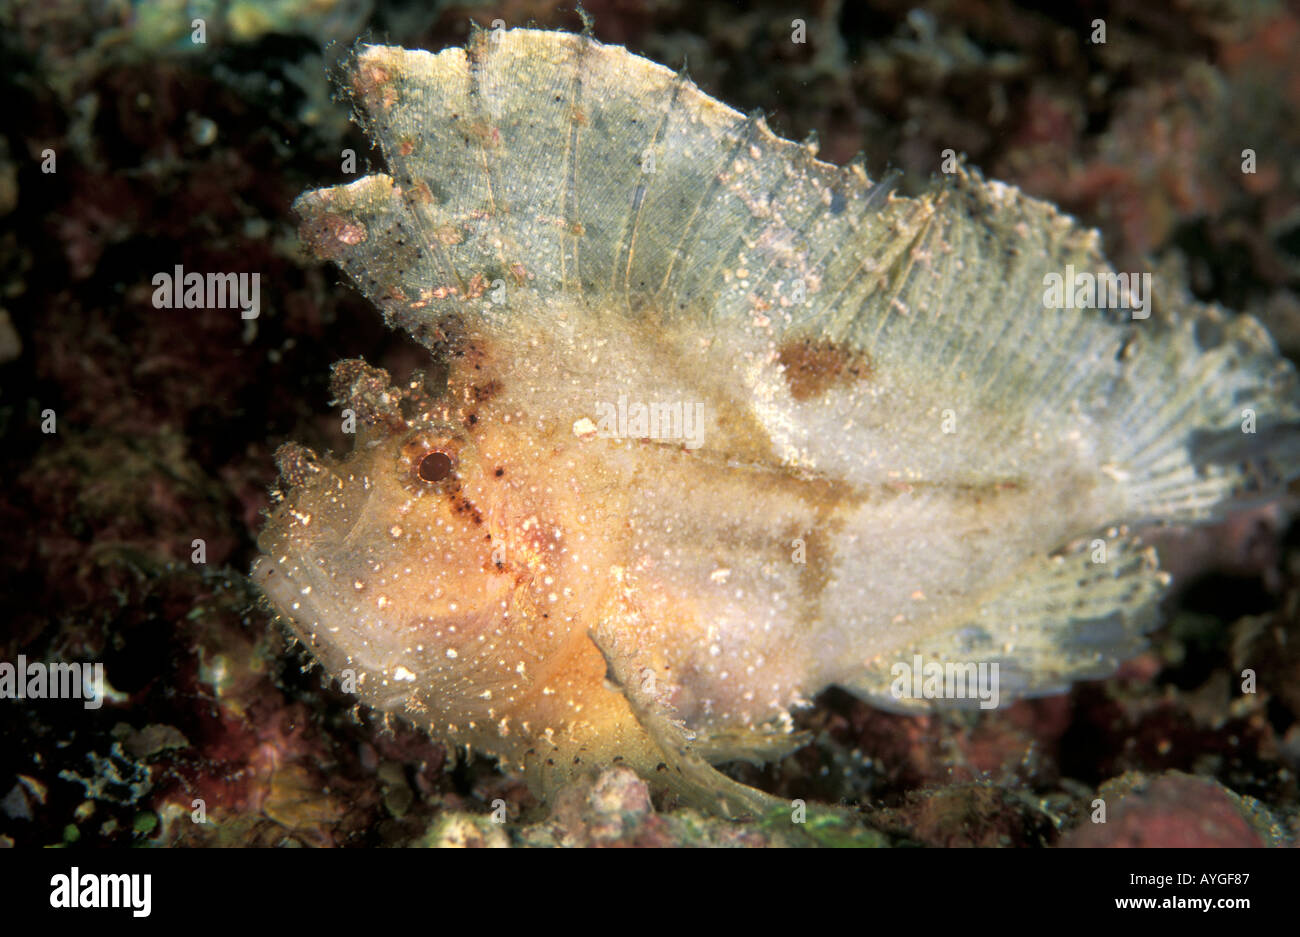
(683, 753)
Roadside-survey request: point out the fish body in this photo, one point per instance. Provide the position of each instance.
(723, 425)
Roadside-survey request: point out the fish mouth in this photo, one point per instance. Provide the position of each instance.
(298, 601)
(301, 598)
(299, 609)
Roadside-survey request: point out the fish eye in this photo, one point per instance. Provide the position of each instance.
(434, 466)
(428, 459)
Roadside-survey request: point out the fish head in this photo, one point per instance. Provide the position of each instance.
(384, 561)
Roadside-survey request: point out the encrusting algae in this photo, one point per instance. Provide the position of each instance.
(723, 425)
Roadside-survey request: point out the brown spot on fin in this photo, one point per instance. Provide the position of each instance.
(814, 366)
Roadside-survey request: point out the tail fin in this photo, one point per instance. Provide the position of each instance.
(1212, 418)
(1067, 617)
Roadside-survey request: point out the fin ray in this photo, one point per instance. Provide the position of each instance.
(1060, 619)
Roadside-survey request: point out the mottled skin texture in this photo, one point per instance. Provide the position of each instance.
(904, 450)
(500, 563)
(563, 600)
(537, 550)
